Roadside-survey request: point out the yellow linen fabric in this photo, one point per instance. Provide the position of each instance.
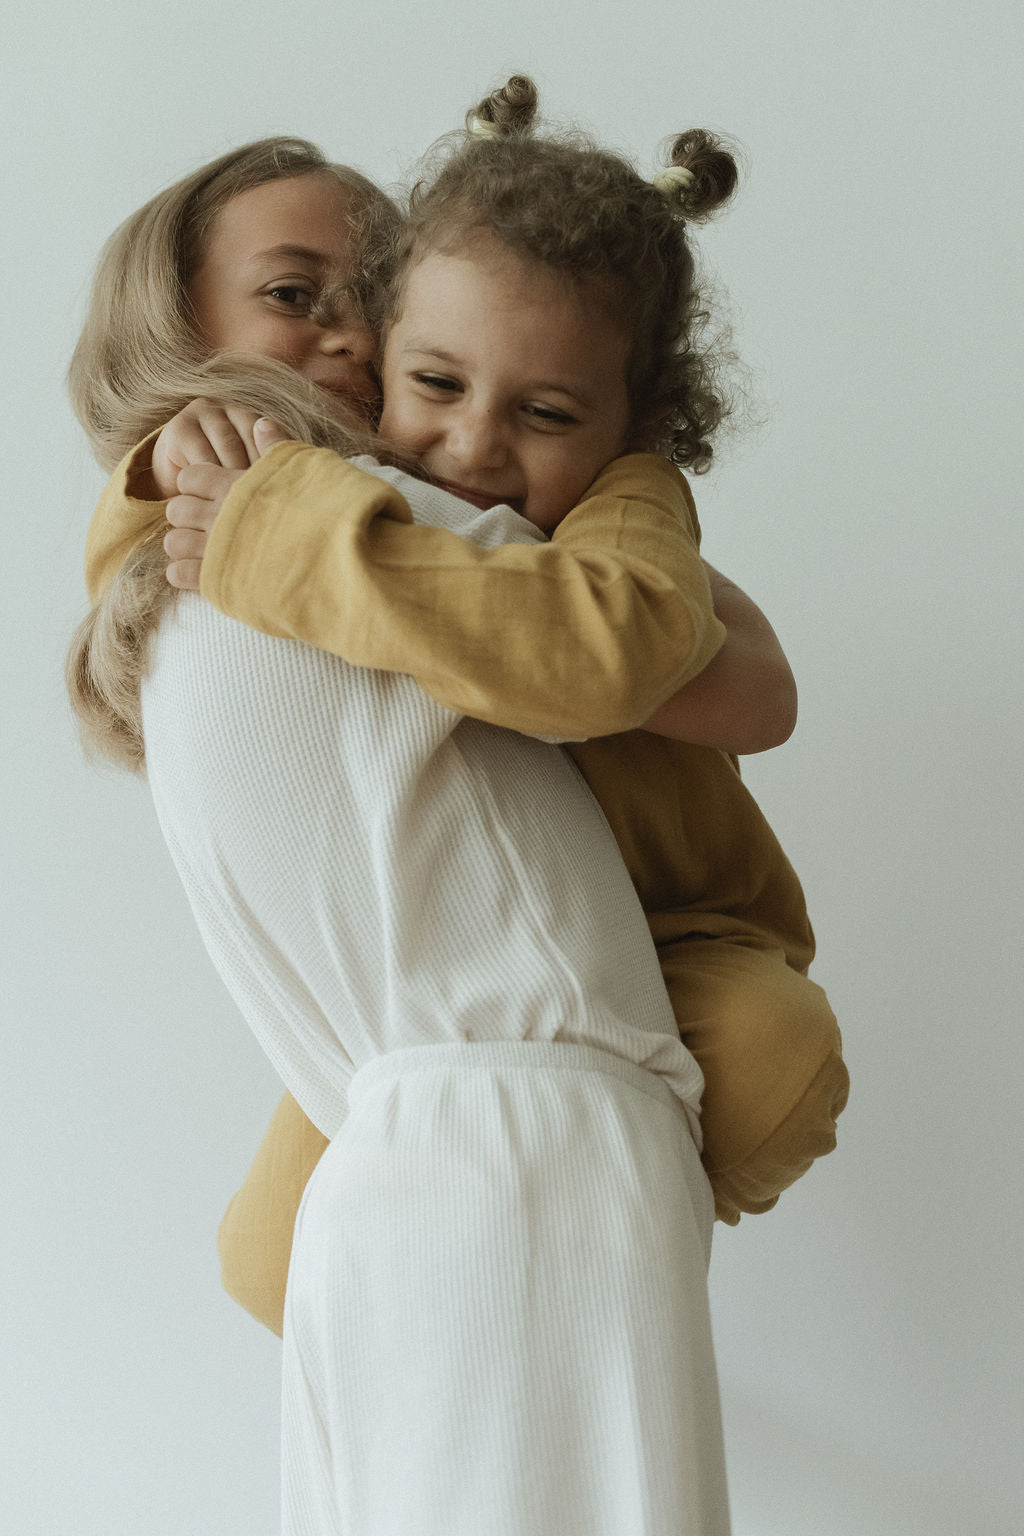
(122, 520)
(542, 638)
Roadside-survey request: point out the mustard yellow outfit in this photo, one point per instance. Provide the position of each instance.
(584, 636)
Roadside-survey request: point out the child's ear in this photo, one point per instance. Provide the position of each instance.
(266, 433)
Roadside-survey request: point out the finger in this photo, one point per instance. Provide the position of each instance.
(185, 441)
(244, 421)
(229, 430)
(185, 544)
(191, 512)
(267, 433)
(210, 482)
(184, 574)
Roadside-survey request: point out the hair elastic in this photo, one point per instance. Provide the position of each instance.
(480, 128)
(672, 177)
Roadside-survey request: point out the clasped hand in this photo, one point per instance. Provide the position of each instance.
(200, 454)
(191, 514)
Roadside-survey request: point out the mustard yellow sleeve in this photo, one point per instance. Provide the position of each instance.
(582, 636)
(122, 519)
(255, 1237)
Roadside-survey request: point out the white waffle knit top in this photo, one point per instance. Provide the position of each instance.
(370, 870)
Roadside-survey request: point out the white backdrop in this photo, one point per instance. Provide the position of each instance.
(869, 1329)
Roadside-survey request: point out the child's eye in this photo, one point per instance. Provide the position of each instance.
(549, 416)
(291, 295)
(438, 381)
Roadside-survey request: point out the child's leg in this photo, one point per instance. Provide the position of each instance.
(255, 1237)
(770, 1050)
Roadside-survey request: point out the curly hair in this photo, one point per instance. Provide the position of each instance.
(561, 200)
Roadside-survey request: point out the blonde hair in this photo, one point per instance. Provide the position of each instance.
(139, 361)
(560, 200)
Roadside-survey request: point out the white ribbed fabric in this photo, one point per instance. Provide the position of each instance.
(497, 1311)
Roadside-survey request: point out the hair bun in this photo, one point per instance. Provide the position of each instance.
(509, 111)
(714, 174)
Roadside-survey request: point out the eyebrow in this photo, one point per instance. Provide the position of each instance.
(572, 390)
(296, 252)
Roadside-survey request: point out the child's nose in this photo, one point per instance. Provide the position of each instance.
(350, 337)
(476, 440)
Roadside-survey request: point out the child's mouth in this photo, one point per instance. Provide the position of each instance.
(482, 499)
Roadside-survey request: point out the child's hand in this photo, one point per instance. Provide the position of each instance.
(205, 432)
(202, 489)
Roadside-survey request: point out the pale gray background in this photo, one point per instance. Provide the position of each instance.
(869, 1331)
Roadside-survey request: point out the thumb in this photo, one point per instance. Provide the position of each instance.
(266, 433)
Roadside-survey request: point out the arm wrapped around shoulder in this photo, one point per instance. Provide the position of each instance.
(583, 636)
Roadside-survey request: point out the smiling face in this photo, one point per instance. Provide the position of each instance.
(506, 380)
(270, 254)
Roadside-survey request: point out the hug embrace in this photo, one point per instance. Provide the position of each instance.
(397, 597)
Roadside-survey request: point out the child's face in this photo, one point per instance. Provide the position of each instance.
(506, 381)
(270, 251)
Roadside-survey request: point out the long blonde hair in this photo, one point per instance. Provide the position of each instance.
(139, 361)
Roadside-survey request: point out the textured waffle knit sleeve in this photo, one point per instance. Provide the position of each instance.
(581, 636)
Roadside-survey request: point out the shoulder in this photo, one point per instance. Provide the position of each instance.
(439, 509)
(651, 478)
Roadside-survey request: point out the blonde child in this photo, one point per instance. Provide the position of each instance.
(498, 1282)
(678, 576)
